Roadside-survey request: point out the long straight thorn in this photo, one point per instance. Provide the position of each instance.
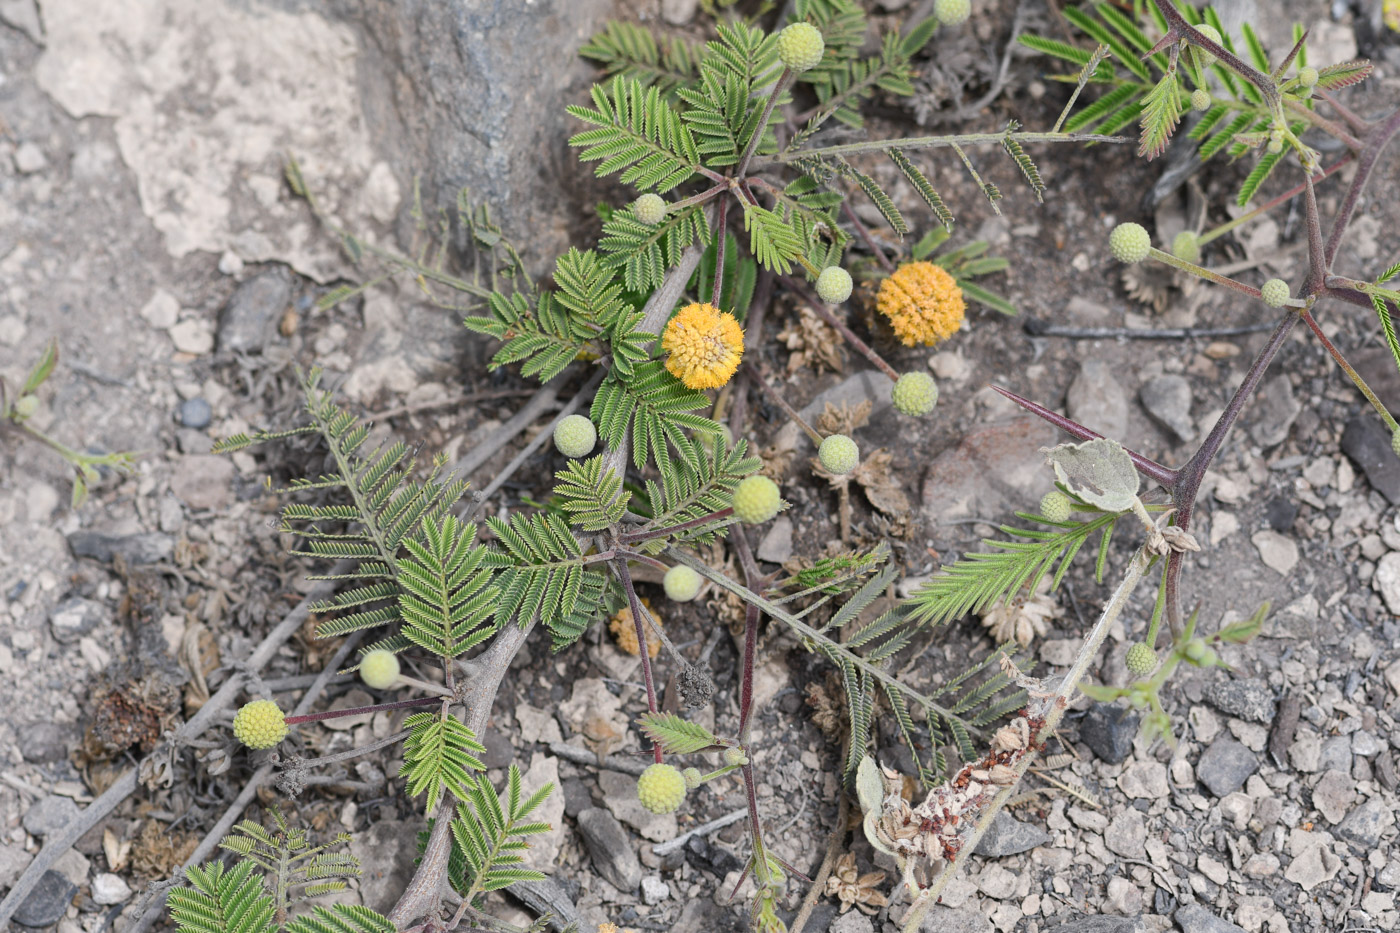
(1147, 467)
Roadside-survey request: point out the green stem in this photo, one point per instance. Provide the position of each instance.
(944, 142)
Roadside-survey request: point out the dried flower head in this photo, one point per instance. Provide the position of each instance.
(625, 630)
(851, 888)
(705, 344)
(923, 303)
(1025, 616)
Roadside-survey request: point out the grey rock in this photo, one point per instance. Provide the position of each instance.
(611, 849)
(1225, 766)
(1334, 793)
(204, 481)
(1250, 700)
(654, 890)
(13, 862)
(1101, 925)
(1168, 400)
(471, 96)
(1193, 918)
(1126, 833)
(1365, 824)
(29, 159)
(852, 922)
(702, 913)
(75, 617)
(993, 470)
(1097, 400)
(49, 815)
(678, 12)
(148, 548)
(1273, 411)
(577, 796)
(250, 318)
(109, 889)
(43, 742)
(1109, 731)
(1386, 580)
(195, 413)
(1335, 755)
(547, 897)
(965, 919)
(386, 851)
(1367, 442)
(47, 903)
(776, 545)
(1009, 836)
(499, 750)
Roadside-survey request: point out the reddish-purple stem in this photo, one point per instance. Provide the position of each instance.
(821, 311)
(625, 578)
(338, 713)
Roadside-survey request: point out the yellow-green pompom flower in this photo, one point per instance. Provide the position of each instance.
(839, 454)
(693, 777)
(834, 285)
(801, 47)
(1130, 242)
(1275, 293)
(734, 756)
(923, 302)
(705, 346)
(1141, 659)
(650, 209)
(682, 583)
(379, 669)
(1200, 99)
(1055, 506)
(575, 436)
(260, 724)
(914, 394)
(1308, 76)
(756, 500)
(1208, 31)
(1186, 245)
(952, 12)
(661, 788)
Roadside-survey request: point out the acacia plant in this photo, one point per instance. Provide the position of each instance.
(703, 138)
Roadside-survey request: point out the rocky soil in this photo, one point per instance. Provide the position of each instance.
(144, 223)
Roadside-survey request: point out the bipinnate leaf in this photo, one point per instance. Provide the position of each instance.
(675, 735)
(1099, 471)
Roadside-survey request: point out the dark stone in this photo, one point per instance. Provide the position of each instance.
(1250, 700)
(49, 815)
(499, 751)
(822, 916)
(47, 903)
(1367, 442)
(577, 797)
(1273, 411)
(713, 859)
(1009, 836)
(253, 312)
(610, 848)
(43, 742)
(1193, 918)
(146, 548)
(1365, 824)
(1101, 924)
(195, 413)
(386, 851)
(1280, 513)
(1109, 731)
(73, 618)
(1225, 766)
(548, 897)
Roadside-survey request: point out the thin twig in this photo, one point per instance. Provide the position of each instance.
(704, 829)
(1038, 328)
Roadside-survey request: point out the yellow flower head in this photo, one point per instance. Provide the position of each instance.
(923, 302)
(705, 344)
(625, 630)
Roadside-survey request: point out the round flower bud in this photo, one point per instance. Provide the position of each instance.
(1275, 145)
(952, 12)
(1141, 660)
(801, 47)
(650, 209)
(26, 406)
(1055, 506)
(1274, 292)
(1307, 77)
(1129, 242)
(1200, 99)
(379, 669)
(914, 394)
(1195, 650)
(1186, 245)
(734, 756)
(692, 778)
(839, 454)
(260, 724)
(756, 500)
(1395, 442)
(834, 285)
(682, 583)
(575, 436)
(1208, 32)
(707, 440)
(661, 788)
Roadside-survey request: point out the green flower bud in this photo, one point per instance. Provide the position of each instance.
(1274, 292)
(839, 454)
(1055, 506)
(1130, 242)
(650, 209)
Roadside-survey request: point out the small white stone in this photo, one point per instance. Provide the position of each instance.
(1387, 580)
(193, 336)
(654, 890)
(230, 263)
(1281, 554)
(1222, 525)
(108, 889)
(29, 159)
(12, 330)
(1215, 871)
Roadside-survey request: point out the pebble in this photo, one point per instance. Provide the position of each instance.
(1009, 836)
(1367, 823)
(254, 310)
(776, 545)
(1273, 411)
(611, 849)
(1144, 780)
(148, 548)
(1335, 755)
(654, 890)
(1092, 820)
(109, 889)
(195, 413)
(1277, 552)
(1333, 794)
(1367, 442)
(49, 815)
(1250, 700)
(192, 336)
(13, 862)
(1124, 898)
(1126, 833)
(678, 12)
(1193, 918)
(1315, 865)
(993, 470)
(1109, 731)
(1168, 400)
(29, 159)
(204, 481)
(1097, 400)
(1100, 925)
(47, 903)
(853, 922)
(1262, 865)
(996, 882)
(162, 311)
(1225, 765)
(1212, 869)
(1386, 581)
(73, 618)
(386, 850)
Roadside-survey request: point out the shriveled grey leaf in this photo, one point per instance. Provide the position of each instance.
(870, 788)
(1099, 471)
